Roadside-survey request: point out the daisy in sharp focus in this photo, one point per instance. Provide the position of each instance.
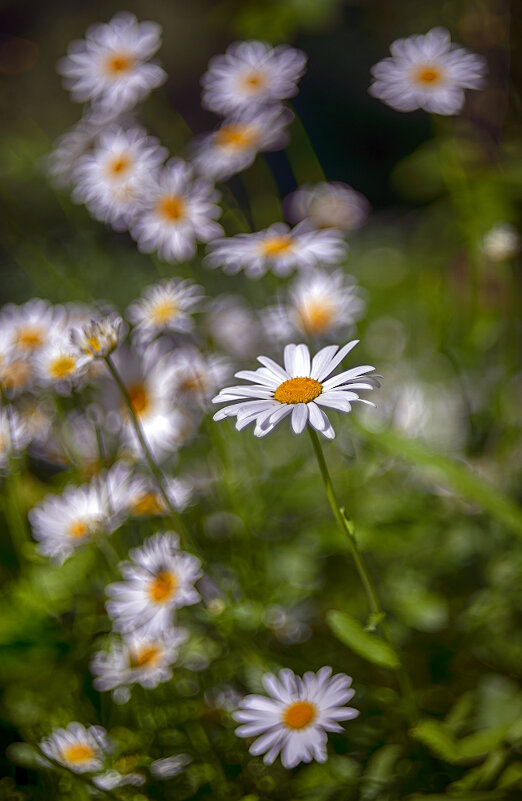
(111, 67)
(177, 211)
(159, 579)
(294, 719)
(328, 205)
(277, 248)
(428, 72)
(251, 73)
(110, 178)
(299, 389)
(81, 749)
(167, 306)
(319, 304)
(236, 143)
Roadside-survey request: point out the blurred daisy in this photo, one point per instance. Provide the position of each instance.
(228, 314)
(168, 767)
(167, 306)
(111, 779)
(62, 161)
(78, 748)
(62, 523)
(427, 72)
(238, 140)
(294, 719)
(319, 304)
(137, 658)
(177, 210)
(59, 365)
(110, 67)
(501, 243)
(276, 248)
(251, 73)
(14, 435)
(195, 376)
(109, 180)
(32, 325)
(328, 205)
(143, 497)
(159, 579)
(299, 389)
(96, 339)
(17, 368)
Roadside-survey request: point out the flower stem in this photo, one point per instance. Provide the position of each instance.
(154, 469)
(347, 527)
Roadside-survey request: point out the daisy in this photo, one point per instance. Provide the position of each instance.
(276, 248)
(228, 314)
(143, 497)
(138, 658)
(59, 366)
(167, 306)
(78, 748)
(299, 389)
(319, 304)
(235, 144)
(96, 339)
(195, 376)
(62, 161)
(294, 719)
(177, 211)
(32, 325)
(427, 72)
(14, 435)
(110, 67)
(251, 73)
(328, 205)
(109, 180)
(62, 523)
(159, 579)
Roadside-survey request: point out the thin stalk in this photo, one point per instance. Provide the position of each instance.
(377, 613)
(154, 469)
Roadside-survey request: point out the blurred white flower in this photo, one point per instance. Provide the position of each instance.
(251, 73)
(197, 376)
(294, 719)
(110, 66)
(277, 248)
(112, 778)
(30, 327)
(159, 579)
(233, 325)
(96, 339)
(427, 72)
(319, 304)
(501, 243)
(80, 749)
(177, 210)
(14, 435)
(235, 144)
(68, 149)
(109, 180)
(59, 366)
(167, 306)
(328, 205)
(138, 658)
(299, 389)
(168, 767)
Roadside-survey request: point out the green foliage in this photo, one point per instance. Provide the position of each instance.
(369, 646)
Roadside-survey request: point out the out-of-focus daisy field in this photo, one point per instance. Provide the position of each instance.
(260, 385)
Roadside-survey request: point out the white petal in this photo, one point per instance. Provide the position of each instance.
(299, 417)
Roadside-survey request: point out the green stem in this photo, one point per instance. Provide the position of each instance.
(348, 529)
(154, 469)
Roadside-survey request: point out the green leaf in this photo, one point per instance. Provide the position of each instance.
(368, 646)
(437, 737)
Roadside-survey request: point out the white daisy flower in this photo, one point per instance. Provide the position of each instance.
(138, 658)
(110, 67)
(32, 325)
(159, 579)
(177, 210)
(109, 180)
(62, 161)
(96, 339)
(195, 376)
(235, 144)
(294, 719)
(78, 748)
(143, 497)
(14, 435)
(62, 523)
(59, 366)
(276, 248)
(167, 306)
(328, 205)
(501, 243)
(251, 73)
(299, 389)
(319, 304)
(427, 72)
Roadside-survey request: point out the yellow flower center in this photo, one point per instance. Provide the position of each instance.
(78, 753)
(62, 367)
(299, 715)
(315, 318)
(235, 136)
(298, 390)
(139, 399)
(429, 75)
(78, 530)
(164, 310)
(163, 586)
(29, 338)
(147, 657)
(253, 82)
(16, 374)
(173, 208)
(147, 504)
(115, 65)
(274, 246)
(118, 166)
(93, 344)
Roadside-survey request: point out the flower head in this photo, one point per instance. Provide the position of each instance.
(427, 72)
(328, 205)
(97, 339)
(298, 389)
(251, 73)
(167, 306)
(294, 719)
(81, 749)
